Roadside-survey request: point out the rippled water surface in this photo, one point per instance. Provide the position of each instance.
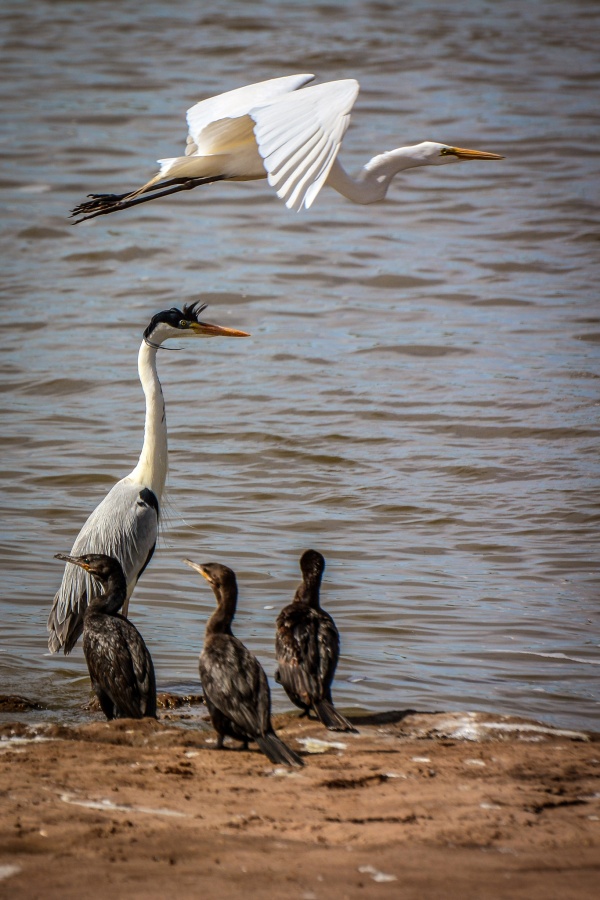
(419, 396)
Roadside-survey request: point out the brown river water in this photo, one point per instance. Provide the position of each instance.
(419, 398)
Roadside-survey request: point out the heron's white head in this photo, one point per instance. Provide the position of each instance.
(434, 154)
(184, 323)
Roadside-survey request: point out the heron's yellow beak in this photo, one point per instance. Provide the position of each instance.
(461, 153)
(207, 330)
(72, 559)
(198, 568)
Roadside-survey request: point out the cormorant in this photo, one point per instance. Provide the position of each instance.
(236, 690)
(117, 658)
(307, 645)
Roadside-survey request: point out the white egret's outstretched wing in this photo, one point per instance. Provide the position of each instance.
(212, 124)
(299, 138)
(124, 525)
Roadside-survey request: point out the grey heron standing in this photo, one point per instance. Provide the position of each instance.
(125, 523)
(291, 137)
(117, 658)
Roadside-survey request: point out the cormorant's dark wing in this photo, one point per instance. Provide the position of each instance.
(124, 525)
(121, 666)
(234, 681)
(307, 648)
(297, 650)
(329, 651)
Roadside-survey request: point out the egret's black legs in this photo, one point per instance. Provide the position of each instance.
(103, 204)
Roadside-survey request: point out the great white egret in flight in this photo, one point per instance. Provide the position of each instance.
(117, 658)
(291, 137)
(125, 524)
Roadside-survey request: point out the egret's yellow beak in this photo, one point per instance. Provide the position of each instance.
(197, 567)
(461, 153)
(207, 330)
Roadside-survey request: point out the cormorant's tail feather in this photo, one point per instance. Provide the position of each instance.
(331, 718)
(277, 751)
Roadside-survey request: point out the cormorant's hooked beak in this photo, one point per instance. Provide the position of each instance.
(204, 329)
(198, 568)
(72, 559)
(462, 153)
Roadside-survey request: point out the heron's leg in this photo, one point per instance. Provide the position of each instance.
(125, 204)
(220, 739)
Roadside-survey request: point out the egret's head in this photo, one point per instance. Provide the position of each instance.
(221, 579)
(184, 323)
(441, 154)
(99, 565)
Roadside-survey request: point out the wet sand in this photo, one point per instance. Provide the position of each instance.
(415, 806)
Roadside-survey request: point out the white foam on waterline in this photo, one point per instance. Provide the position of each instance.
(466, 727)
(109, 806)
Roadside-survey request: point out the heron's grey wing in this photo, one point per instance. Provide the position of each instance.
(124, 525)
(235, 682)
(299, 136)
(211, 118)
(121, 667)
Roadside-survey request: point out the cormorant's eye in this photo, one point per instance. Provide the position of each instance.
(183, 323)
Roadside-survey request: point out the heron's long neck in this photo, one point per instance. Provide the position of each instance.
(374, 178)
(151, 470)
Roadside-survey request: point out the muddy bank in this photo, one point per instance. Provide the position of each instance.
(416, 805)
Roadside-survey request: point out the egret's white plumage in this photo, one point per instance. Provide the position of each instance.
(125, 524)
(276, 131)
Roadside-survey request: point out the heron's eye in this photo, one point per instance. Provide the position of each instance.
(447, 151)
(183, 323)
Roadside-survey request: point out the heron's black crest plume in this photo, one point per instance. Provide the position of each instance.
(193, 310)
(173, 316)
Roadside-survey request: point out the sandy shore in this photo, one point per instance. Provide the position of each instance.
(416, 806)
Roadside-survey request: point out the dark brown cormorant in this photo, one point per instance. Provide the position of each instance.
(236, 690)
(117, 658)
(307, 645)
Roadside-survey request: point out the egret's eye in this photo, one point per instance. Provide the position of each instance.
(446, 151)
(183, 323)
